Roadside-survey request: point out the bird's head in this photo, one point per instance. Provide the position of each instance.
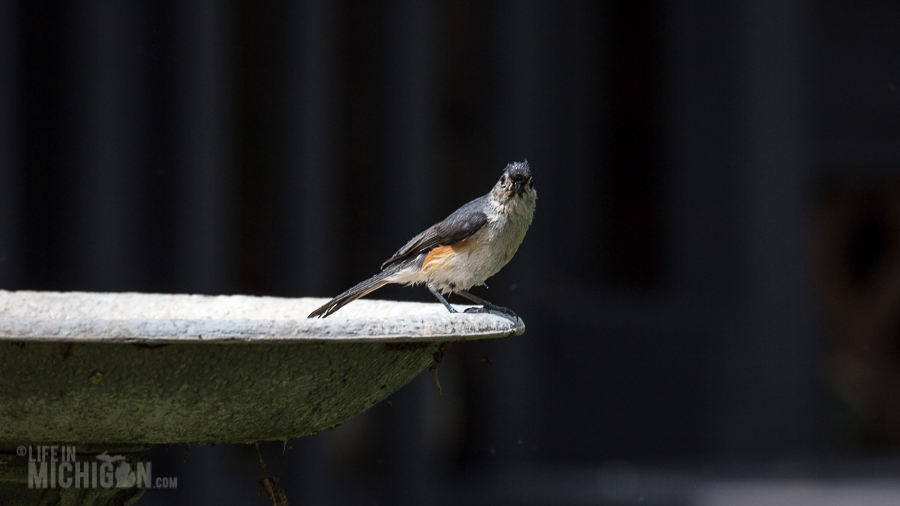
(515, 182)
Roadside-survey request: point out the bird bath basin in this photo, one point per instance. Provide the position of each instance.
(116, 372)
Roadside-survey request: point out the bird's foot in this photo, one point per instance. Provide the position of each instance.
(494, 309)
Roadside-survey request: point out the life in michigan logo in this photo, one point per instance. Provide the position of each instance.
(55, 466)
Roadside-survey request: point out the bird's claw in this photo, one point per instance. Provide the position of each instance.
(501, 311)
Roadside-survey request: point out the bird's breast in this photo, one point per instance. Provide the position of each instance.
(472, 261)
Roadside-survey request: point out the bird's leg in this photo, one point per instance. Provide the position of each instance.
(486, 306)
(440, 298)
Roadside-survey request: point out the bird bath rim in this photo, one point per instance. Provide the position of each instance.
(131, 317)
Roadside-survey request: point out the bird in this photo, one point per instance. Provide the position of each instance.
(463, 250)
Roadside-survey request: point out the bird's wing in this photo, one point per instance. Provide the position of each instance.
(464, 222)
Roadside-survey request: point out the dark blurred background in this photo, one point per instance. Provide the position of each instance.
(711, 282)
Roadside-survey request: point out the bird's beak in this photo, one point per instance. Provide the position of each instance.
(517, 187)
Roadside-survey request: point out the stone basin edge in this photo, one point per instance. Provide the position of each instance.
(407, 328)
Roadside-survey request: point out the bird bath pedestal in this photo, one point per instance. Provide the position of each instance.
(118, 372)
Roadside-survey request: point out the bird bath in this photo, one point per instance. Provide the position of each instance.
(116, 372)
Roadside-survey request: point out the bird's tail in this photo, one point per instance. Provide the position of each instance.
(366, 287)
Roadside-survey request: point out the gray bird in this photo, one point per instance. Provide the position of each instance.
(464, 250)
